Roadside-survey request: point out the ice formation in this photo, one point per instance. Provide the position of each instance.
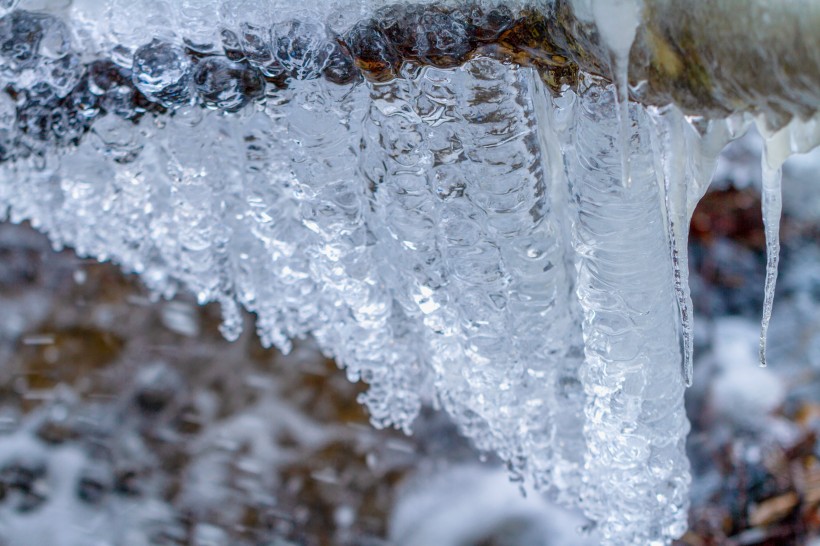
(469, 225)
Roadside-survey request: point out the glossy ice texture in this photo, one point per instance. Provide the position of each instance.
(446, 228)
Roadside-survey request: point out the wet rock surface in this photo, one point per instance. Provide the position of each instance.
(66, 96)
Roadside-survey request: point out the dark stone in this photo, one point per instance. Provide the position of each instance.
(227, 85)
(399, 24)
(486, 26)
(91, 489)
(371, 51)
(340, 68)
(446, 40)
(24, 483)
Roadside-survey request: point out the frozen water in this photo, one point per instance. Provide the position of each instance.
(226, 85)
(447, 229)
(635, 420)
(162, 71)
(797, 137)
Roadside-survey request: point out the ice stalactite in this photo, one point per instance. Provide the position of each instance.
(798, 136)
(686, 152)
(617, 22)
(636, 426)
(475, 245)
(772, 204)
(377, 342)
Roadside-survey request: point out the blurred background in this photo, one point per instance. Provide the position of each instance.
(128, 420)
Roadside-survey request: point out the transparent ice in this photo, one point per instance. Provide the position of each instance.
(456, 237)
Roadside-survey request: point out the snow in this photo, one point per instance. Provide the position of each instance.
(455, 236)
(60, 519)
(471, 504)
(743, 392)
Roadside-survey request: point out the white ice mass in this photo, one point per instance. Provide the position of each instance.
(455, 236)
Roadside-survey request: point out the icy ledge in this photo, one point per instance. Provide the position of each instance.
(447, 228)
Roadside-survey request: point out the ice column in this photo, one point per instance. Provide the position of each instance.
(366, 330)
(462, 186)
(636, 478)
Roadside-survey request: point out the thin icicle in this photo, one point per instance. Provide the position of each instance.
(617, 21)
(799, 136)
(678, 230)
(686, 163)
(772, 207)
(624, 129)
(677, 218)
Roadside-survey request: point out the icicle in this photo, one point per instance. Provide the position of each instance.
(680, 263)
(675, 185)
(632, 359)
(689, 156)
(772, 205)
(449, 235)
(617, 21)
(622, 96)
(799, 136)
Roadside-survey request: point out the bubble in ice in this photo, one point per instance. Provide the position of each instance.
(255, 43)
(26, 37)
(444, 37)
(162, 72)
(302, 48)
(63, 73)
(340, 68)
(231, 45)
(39, 117)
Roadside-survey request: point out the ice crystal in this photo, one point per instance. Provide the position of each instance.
(446, 228)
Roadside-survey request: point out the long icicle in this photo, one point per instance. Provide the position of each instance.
(799, 136)
(675, 197)
(690, 157)
(772, 205)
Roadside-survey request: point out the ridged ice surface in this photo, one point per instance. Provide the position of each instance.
(455, 236)
(636, 424)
